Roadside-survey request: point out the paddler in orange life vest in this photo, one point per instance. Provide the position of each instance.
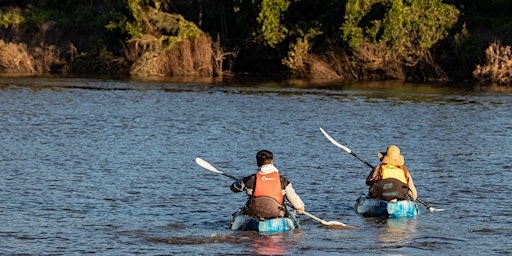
(267, 190)
(391, 180)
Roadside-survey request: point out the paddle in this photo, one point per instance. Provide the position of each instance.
(327, 223)
(210, 167)
(430, 208)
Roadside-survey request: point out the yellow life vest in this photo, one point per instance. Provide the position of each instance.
(392, 171)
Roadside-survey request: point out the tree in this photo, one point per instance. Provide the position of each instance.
(162, 43)
(394, 37)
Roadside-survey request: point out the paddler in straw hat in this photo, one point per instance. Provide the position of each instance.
(391, 180)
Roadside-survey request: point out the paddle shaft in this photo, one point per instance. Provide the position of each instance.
(348, 150)
(364, 161)
(314, 217)
(327, 223)
(210, 167)
(227, 175)
(360, 159)
(430, 208)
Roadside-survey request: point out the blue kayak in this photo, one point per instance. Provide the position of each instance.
(245, 223)
(375, 207)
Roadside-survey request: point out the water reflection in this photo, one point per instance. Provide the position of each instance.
(272, 244)
(398, 231)
(268, 245)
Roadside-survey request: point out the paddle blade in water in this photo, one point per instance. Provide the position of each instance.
(339, 227)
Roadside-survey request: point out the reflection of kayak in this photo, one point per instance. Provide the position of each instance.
(376, 207)
(244, 222)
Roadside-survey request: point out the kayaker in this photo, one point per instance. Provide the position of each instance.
(267, 190)
(391, 180)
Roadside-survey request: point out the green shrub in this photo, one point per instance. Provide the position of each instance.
(397, 32)
(11, 16)
(270, 21)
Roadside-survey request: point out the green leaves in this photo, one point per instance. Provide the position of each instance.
(153, 26)
(400, 32)
(11, 16)
(398, 23)
(270, 21)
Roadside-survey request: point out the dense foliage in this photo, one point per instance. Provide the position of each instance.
(331, 39)
(393, 36)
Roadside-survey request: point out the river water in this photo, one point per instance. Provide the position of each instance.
(107, 166)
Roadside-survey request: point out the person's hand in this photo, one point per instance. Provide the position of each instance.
(299, 211)
(237, 186)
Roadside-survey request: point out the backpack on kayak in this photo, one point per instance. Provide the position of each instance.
(264, 207)
(389, 189)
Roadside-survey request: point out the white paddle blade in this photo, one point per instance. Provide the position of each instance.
(330, 223)
(432, 209)
(207, 165)
(327, 223)
(335, 142)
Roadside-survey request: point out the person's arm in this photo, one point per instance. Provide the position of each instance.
(294, 199)
(374, 176)
(412, 189)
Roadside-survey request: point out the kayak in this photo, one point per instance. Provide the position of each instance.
(246, 223)
(375, 207)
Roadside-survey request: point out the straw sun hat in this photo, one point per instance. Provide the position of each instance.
(391, 156)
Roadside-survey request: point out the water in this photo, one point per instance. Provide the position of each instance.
(107, 166)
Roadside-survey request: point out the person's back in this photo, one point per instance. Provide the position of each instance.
(267, 190)
(391, 180)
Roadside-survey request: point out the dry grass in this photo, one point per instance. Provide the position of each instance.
(15, 58)
(190, 57)
(149, 64)
(372, 58)
(187, 58)
(322, 68)
(330, 63)
(376, 59)
(18, 58)
(46, 57)
(498, 68)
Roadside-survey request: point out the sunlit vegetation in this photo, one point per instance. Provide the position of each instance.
(162, 43)
(395, 37)
(420, 40)
(498, 67)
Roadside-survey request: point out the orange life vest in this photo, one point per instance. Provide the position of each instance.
(268, 185)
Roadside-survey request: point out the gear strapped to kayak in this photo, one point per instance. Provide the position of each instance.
(393, 184)
(264, 207)
(389, 189)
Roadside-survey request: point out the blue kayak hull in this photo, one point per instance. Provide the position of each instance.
(245, 223)
(374, 207)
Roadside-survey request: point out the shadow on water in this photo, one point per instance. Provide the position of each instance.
(156, 83)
